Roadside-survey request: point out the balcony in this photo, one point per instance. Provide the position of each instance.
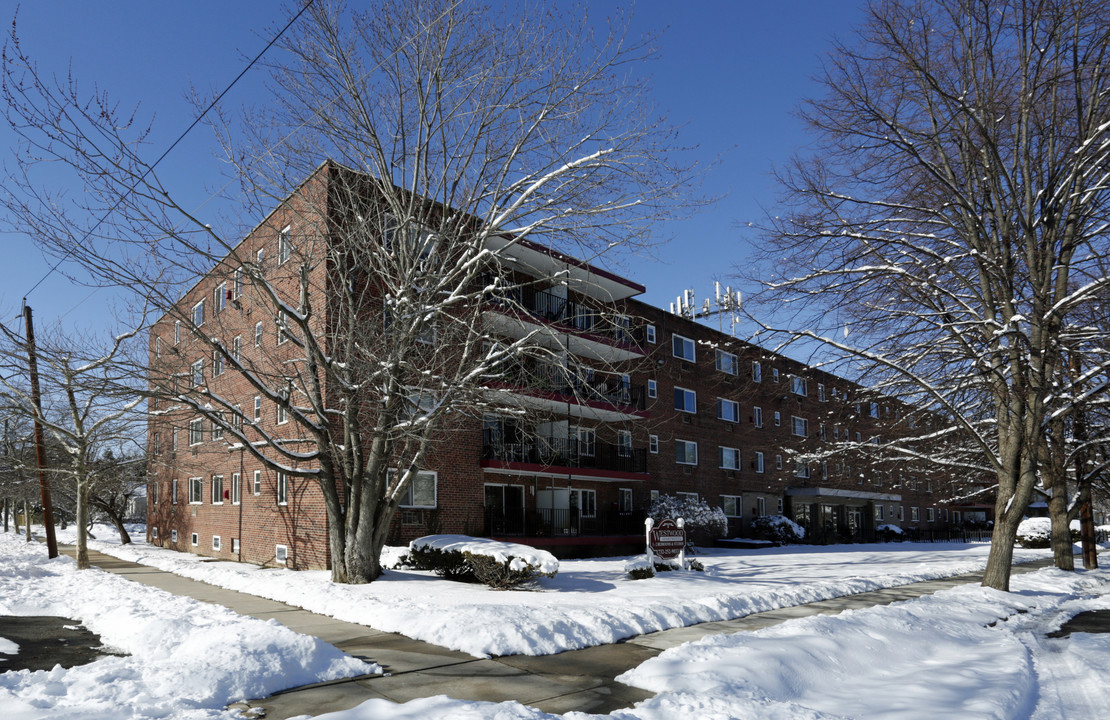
(565, 453)
(550, 522)
(581, 385)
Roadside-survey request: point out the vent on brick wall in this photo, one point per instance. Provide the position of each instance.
(281, 553)
(686, 419)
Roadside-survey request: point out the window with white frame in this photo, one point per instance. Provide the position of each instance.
(915, 514)
(683, 348)
(930, 514)
(176, 332)
(732, 505)
(257, 408)
(198, 314)
(421, 492)
(624, 500)
(649, 333)
(259, 257)
(758, 462)
(821, 392)
(258, 334)
(653, 444)
(173, 536)
(729, 458)
(685, 400)
(686, 452)
(154, 493)
(778, 462)
(586, 439)
(173, 440)
(799, 386)
(778, 418)
(196, 431)
(727, 362)
(774, 374)
(237, 348)
(624, 443)
(236, 496)
(173, 491)
(757, 416)
(801, 469)
(878, 512)
(282, 414)
(219, 298)
(757, 372)
(237, 417)
(257, 482)
(282, 327)
(218, 426)
(216, 542)
(196, 490)
(194, 539)
(282, 489)
(281, 554)
(285, 246)
(157, 348)
(197, 372)
(237, 285)
(586, 502)
(235, 546)
(217, 362)
(821, 431)
(728, 410)
(154, 532)
(217, 489)
(652, 389)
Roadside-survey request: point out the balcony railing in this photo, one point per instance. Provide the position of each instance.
(553, 308)
(549, 377)
(565, 452)
(549, 522)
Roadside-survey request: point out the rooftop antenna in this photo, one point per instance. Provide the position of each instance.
(725, 302)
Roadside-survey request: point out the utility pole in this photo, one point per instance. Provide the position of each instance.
(40, 445)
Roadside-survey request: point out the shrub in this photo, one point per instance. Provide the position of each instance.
(638, 568)
(703, 523)
(778, 528)
(1037, 532)
(497, 564)
(888, 533)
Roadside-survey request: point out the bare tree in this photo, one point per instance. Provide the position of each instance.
(459, 137)
(953, 219)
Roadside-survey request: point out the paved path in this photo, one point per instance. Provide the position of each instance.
(575, 680)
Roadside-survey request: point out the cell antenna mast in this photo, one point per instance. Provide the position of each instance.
(726, 302)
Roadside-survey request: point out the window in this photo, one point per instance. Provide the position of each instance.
(257, 408)
(859, 437)
(196, 490)
(930, 514)
(176, 332)
(217, 362)
(774, 374)
(799, 386)
(285, 246)
(154, 532)
(585, 439)
(198, 372)
(219, 298)
(237, 418)
(216, 542)
(157, 348)
(281, 552)
(194, 539)
(729, 458)
(173, 440)
(282, 414)
(236, 497)
(258, 334)
(257, 482)
(282, 324)
(728, 410)
(173, 491)
(778, 418)
(799, 426)
(915, 514)
(726, 362)
(282, 490)
(624, 443)
(653, 444)
(235, 545)
(757, 372)
(732, 505)
(686, 452)
(878, 512)
(173, 536)
(874, 410)
(157, 444)
(760, 506)
(778, 462)
(237, 286)
(801, 469)
(683, 348)
(821, 392)
(649, 333)
(218, 427)
(421, 492)
(757, 416)
(198, 314)
(758, 462)
(196, 431)
(901, 513)
(237, 348)
(586, 502)
(653, 389)
(259, 257)
(691, 496)
(624, 500)
(154, 493)
(821, 431)
(217, 489)
(685, 400)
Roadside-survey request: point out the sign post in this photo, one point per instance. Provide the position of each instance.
(667, 541)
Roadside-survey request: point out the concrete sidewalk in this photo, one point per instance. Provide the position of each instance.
(575, 680)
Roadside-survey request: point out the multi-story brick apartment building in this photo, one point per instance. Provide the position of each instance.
(640, 403)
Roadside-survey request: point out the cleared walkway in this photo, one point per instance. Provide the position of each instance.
(575, 680)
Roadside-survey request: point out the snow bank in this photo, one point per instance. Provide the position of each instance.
(184, 658)
(522, 556)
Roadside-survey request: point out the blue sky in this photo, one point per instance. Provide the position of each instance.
(730, 75)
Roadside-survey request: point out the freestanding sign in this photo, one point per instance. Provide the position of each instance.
(667, 540)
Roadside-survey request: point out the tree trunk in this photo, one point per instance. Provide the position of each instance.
(1087, 533)
(1063, 550)
(5, 514)
(81, 522)
(15, 516)
(1001, 558)
(27, 519)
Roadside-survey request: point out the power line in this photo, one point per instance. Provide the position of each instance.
(168, 150)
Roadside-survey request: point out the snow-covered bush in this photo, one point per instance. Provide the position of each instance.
(889, 533)
(639, 568)
(703, 523)
(1037, 532)
(778, 528)
(500, 565)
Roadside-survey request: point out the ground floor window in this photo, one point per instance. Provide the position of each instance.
(930, 514)
(282, 489)
(217, 489)
(194, 539)
(585, 501)
(878, 512)
(760, 506)
(421, 492)
(732, 505)
(216, 543)
(196, 490)
(624, 500)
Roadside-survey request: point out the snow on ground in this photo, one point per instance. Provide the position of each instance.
(590, 602)
(969, 653)
(184, 658)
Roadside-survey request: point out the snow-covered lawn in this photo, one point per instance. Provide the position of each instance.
(590, 602)
(184, 658)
